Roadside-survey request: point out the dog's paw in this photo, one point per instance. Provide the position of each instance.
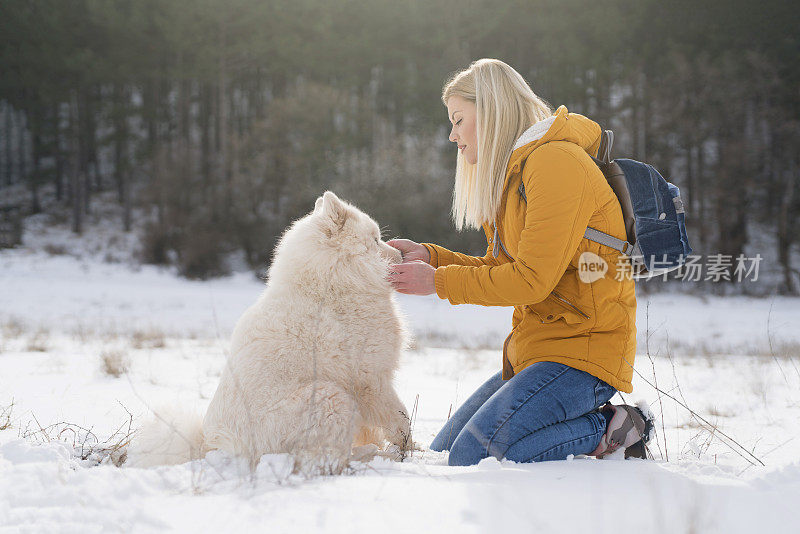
(364, 453)
(391, 452)
(406, 444)
(401, 438)
(397, 452)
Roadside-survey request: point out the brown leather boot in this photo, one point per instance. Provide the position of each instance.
(630, 427)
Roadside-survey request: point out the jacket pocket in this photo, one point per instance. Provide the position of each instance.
(556, 307)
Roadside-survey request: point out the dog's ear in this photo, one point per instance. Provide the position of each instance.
(334, 208)
(329, 199)
(318, 205)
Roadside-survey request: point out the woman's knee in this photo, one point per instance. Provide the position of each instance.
(444, 439)
(440, 443)
(467, 449)
(462, 453)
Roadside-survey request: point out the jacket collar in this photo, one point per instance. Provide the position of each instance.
(561, 126)
(535, 132)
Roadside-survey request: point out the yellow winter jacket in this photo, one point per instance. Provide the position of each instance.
(588, 325)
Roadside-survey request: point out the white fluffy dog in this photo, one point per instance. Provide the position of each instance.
(312, 361)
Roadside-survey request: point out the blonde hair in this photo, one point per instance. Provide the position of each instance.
(506, 107)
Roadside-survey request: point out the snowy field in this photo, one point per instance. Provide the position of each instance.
(68, 326)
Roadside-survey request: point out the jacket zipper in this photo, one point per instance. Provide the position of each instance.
(498, 241)
(568, 303)
(554, 293)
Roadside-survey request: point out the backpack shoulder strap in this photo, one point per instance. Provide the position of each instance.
(606, 142)
(603, 157)
(609, 240)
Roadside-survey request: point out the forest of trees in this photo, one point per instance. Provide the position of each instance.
(222, 120)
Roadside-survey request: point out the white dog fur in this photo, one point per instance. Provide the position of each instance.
(312, 361)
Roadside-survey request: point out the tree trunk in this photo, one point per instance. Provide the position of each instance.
(36, 129)
(223, 120)
(119, 114)
(204, 120)
(640, 117)
(83, 150)
(92, 161)
(731, 193)
(785, 234)
(150, 112)
(184, 103)
(22, 147)
(58, 153)
(127, 217)
(688, 197)
(121, 157)
(75, 167)
(702, 201)
(8, 112)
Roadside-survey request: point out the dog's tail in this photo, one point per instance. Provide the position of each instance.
(172, 435)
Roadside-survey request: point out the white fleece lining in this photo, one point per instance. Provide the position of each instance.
(535, 132)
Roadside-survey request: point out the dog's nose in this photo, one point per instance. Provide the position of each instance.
(392, 254)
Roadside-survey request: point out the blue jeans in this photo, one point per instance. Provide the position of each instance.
(545, 412)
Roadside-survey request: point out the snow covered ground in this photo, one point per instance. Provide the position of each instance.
(68, 324)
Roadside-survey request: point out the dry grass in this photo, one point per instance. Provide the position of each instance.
(114, 362)
(675, 394)
(12, 328)
(148, 339)
(759, 387)
(689, 423)
(782, 349)
(716, 412)
(438, 339)
(699, 444)
(5, 416)
(82, 333)
(407, 448)
(38, 342)
(55, 250)
(85, 444)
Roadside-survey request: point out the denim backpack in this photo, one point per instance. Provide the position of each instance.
(655, 221)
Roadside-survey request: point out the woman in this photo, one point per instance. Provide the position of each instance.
(525, 175)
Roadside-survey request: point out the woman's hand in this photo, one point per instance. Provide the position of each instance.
(413, 278)
(411, 251)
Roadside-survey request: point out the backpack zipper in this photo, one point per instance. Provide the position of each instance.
(568, 303)
(658, 199)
